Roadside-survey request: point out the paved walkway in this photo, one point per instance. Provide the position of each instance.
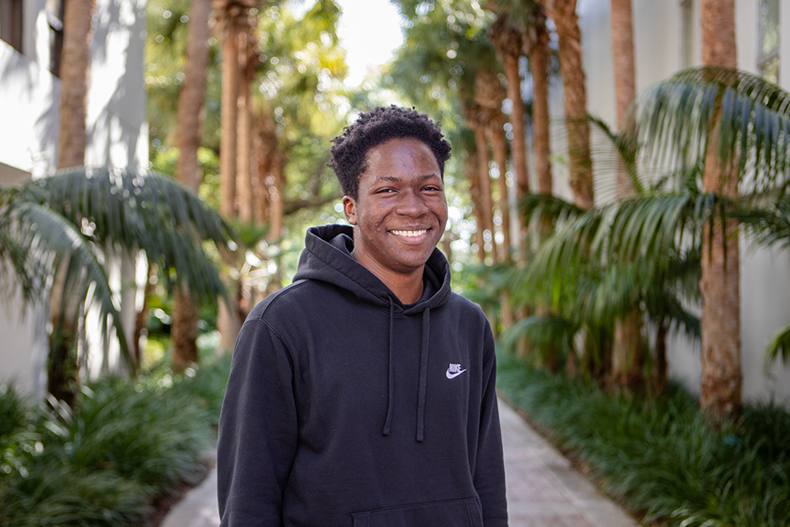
(542, 488)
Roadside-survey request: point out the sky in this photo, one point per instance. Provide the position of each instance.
(370, 31)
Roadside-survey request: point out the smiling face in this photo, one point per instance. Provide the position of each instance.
(401, 211)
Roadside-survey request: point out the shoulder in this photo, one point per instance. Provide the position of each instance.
(281, 316)
(466, 308)
(299, 303)
(298, 298)
(286, 298)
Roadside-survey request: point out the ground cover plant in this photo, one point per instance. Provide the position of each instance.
(104, 463)
(660, 456)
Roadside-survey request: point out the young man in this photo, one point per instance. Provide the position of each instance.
(363, 394)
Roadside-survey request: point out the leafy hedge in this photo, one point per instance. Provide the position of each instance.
(660, 456)
(104, 463)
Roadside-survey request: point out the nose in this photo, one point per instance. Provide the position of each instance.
(411, 204)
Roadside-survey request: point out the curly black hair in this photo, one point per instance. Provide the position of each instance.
(349, 154)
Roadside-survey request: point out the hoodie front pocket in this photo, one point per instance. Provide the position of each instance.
(451, 513)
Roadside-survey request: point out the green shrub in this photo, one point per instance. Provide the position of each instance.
(661, 456)
(147, 435)
(103, 463)
(53, 493)
(12, 410)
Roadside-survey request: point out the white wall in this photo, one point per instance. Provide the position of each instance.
(765, 275)
(23, 348)
(29, 97)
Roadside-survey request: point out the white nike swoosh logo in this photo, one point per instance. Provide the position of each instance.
(454, 375)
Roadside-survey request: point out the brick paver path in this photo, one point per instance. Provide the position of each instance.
(542, 488)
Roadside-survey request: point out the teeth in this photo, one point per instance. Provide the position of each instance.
(410, 234)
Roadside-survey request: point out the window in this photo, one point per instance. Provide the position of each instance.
(768, 58)
(54, 10)
(11, 23)
(687, 33)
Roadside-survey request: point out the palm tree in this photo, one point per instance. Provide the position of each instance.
(537, 43)
(508, 40)
(66, 225)
(72, 139)
(720, 391)
(233, 17)
(472, 174)
(184, 330)
(563, 13)
(520, 28)
(249, 62)
(627, 352)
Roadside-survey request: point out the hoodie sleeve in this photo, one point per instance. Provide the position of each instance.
(489, 478)
(257, 430)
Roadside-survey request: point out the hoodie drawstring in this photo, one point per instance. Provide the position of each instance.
(388, 420)
(426, 329)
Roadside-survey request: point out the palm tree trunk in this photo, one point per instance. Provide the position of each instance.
(77, 38)
(487, 215)
(517, 121)
(193, 95)
(563, 12)
(539, 66)
(277, 213)
(509, 42)
(500, 158)
(660, 368)
(141, 317)
(227, 319)
(627, 358)
(231, 76)
(228, 323)
(471, 172)
(262, 146)
(627, 353)
(720, 390)
(62, 365)
(624, 77)
(244, 162)
(184, 330)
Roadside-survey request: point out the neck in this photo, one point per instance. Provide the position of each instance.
(407, 287)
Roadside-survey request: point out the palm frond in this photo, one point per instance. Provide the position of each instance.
(779, 347)
(768, 224)
(549, 207)
(749, 115)
(133, 211)
(48, 241)
(598, 267)
(547, 334)
(73, 220)
(626, 149)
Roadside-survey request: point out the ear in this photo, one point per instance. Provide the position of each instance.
(350, 209)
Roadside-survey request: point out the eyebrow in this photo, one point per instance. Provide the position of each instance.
(397, 179)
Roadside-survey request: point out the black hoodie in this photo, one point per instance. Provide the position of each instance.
(347, 408)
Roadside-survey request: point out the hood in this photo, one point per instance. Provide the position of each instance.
(327, 257)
